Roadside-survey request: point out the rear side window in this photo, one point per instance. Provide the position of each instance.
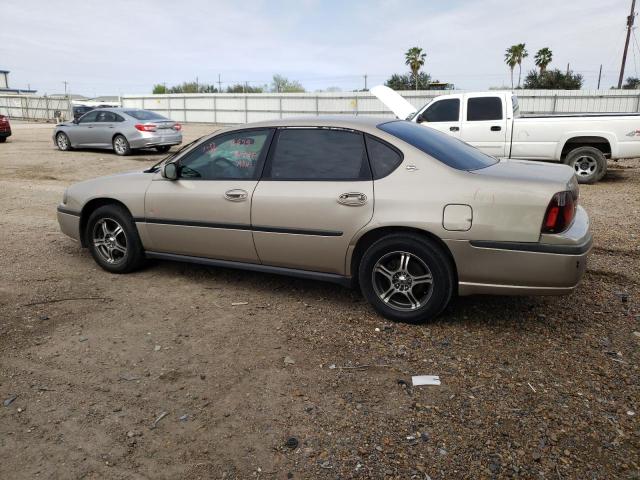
(383, 158)
(89, 117)
(450, 151)
(145, 115)
(443, 111)
(318, 154)
(484, 108)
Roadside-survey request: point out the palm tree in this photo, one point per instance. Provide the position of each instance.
(520, 53)
(543, 58)
(511, 60)
(415, 59)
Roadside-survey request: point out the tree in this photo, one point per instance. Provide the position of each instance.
(554, 80)
(243, 88)
(282, 84)
(521, 54)
(632, 83)
(407, 82)
(510, 60)
(543, 58)
(414, 57)
(159, 88)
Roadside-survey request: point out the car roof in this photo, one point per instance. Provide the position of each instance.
(330, 121)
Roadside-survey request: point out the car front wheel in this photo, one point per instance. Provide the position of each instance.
(113, 239)
(406, 278)
(62, 141)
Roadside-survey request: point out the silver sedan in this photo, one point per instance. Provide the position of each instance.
(119, 129)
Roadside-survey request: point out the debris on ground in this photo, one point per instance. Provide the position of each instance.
(291, 442)
(237, 304)
(9, 400)
(289, 361)
(160, 417)
(418, 380)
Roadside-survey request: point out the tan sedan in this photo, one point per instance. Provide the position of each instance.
(409, 214)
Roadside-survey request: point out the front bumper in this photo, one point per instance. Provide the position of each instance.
(553, 266)
(69, 222)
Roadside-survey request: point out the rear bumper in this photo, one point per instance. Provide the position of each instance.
(153, 139)
(69, 222)
(554, 266)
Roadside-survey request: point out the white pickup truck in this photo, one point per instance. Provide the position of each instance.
(491, 121)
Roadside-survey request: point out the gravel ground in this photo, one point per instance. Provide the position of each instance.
(542, 387)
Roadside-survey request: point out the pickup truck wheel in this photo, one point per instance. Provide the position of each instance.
(588, 163)
(406, 278)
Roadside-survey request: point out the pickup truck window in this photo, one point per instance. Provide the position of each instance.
(448, 150)
(443, 111)
(484, 108)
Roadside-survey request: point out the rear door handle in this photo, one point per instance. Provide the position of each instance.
(352, 199)
(236, 195)
(454, 129)
(496, 128)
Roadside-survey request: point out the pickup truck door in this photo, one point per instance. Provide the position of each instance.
(484, 123)
(443, 115)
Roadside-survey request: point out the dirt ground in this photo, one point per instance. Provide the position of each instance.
(542, 387)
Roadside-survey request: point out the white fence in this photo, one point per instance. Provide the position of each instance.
(34, 107)
(229, 108)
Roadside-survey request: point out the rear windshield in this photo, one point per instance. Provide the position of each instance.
(450, 151)
(144, 115)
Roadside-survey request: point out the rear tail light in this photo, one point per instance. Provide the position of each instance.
(560, 212)
(177, 127)
(146, 127)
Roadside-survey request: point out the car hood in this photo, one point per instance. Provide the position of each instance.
(394, 101)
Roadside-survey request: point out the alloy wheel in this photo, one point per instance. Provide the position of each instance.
(63, 141)
(402, 280)
(585, 166)
(109, 240)
(120, 145)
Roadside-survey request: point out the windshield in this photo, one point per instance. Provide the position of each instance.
(145, 115)
(154, 168)
(450, 151)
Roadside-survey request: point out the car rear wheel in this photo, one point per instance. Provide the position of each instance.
(406, 278)
(121, 145)
(588, 163)
(163, 148)
(62, 141)
(113, 239)
(3, 139)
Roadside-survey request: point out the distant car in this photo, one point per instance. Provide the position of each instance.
(80, 110)
(119, 129)
(409, 214)
(5, 128)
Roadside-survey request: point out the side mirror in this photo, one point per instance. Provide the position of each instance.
(170, 171)
(421, 119)
(76, 121)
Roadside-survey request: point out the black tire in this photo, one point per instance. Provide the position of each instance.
(3, 139)
(163, 148)
(100, 244)
(428, 257)
(62, 141)
(121, 145)
(588, 163)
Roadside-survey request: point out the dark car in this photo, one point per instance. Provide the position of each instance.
(5, 128)
(80, 110)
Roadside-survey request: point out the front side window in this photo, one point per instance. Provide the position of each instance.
(484, 108)
(443, 111)
(232, 156)
(319, 154)
(448, 150)
(89, 117)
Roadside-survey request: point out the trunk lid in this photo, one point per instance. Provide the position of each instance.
(394, 101)
(561, 177)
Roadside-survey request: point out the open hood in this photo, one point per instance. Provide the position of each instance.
(394, 101)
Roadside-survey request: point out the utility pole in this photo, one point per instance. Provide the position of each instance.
(567, 68)
(599, 76)
(365, 82)
(197, 89)
(219, 84)
(65, 87)
(630, 20)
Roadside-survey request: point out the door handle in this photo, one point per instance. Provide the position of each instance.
(454, 129)
(352, 199)
(235, 195)
(496, 128)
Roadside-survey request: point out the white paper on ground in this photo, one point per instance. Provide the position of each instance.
(425, 380)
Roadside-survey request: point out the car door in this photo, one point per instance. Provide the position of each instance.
(104, 129)
(81, 134)
(315, 194)
(443, 115)
(206, 212)
(484, 124)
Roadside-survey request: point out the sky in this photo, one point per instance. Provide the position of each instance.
(114, 47)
